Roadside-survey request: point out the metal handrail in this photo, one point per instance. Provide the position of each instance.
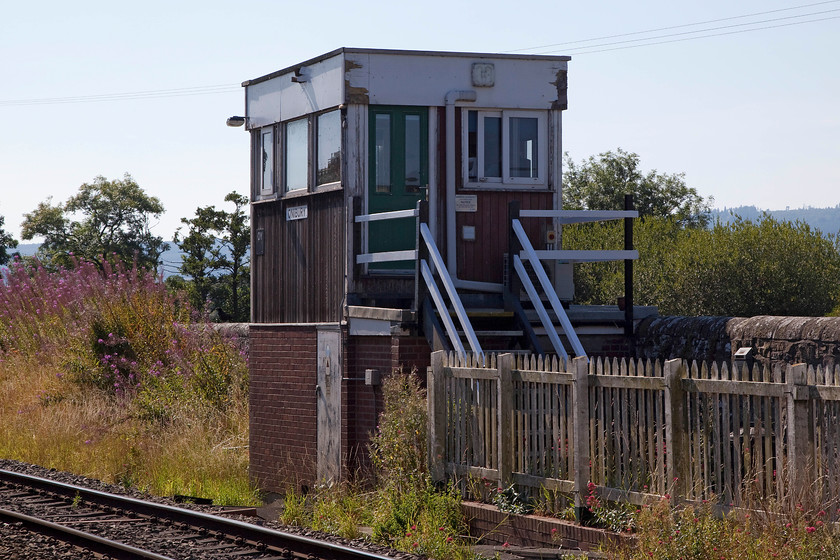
(548, 289)
(460, 312)
(580, 216)
(428, 274)
(539, 307)
(386, 256)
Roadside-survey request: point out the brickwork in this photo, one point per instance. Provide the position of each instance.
(610, 346)
(492, 526)
(362, 403)
(283, 402)
(283, 414)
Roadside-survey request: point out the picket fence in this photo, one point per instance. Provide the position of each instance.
(638, 431)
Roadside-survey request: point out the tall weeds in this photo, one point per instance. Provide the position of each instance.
(108, 374)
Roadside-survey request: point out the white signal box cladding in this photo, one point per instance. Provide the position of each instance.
(379, 77)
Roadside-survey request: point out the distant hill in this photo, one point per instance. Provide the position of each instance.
(171, 259)
(827, 220)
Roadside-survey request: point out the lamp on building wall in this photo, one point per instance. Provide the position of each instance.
(236, 121)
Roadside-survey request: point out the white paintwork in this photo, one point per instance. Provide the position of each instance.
(556, 306)
(281, 99)
(387, 256)
(454, 299)
(580, 216)
(401, 78)
(584, 255)
(437, 298)
(394, 214)
(369, 327)
(393, 78)
(539, 307)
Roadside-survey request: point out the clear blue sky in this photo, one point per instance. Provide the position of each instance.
(752, 116)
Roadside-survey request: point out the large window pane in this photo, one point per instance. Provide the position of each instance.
(382, 153)
(413, 149)
(267, 157)
(297, 142)
(329, 148)
(492, 146)
(523, 147)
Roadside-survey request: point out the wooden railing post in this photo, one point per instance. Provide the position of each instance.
(800, 433)
(580, 402)
(436, 403)
(505, 408)
(676, 429)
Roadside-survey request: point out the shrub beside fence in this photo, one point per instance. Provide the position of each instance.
(637, 430)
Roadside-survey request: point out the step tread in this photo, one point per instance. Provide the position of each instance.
(496, 333)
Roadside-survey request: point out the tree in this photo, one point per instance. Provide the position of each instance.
(600, 183)
(6, 242)
(743, 268)
(216, 258)
(114, 223)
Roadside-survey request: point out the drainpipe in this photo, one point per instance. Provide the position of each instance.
(451, 235)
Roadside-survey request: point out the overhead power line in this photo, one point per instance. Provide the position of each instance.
(148, 94)
(655, 30)
(643, 43)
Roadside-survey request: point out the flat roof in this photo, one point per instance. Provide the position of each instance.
(342, 50)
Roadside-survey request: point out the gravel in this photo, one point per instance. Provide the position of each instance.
(16, 542)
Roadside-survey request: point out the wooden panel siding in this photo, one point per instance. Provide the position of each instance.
(483, 259)
(300, 276)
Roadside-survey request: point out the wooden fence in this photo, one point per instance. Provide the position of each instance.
(637, 430)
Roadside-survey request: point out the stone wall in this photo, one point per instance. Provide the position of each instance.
(776, 340)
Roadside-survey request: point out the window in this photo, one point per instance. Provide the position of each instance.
(328, 147)
(508, 148)
(311, 149)
(297, 154)
(266, 161)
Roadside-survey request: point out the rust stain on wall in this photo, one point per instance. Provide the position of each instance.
(354, 94)
(561, 84)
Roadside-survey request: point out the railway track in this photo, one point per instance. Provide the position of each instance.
(115, 526)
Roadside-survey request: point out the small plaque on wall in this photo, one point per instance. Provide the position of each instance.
(466, 203)
(296, 213)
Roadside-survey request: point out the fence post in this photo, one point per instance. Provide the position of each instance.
(436, 403)
(580, 401)
(800, 433)
(505, 407)
(676, 429)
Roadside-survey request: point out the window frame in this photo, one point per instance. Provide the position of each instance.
(308, 148)
(312, 130)
(315, 131)
(507, 181)
(262, 191)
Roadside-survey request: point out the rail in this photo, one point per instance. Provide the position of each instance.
(429, 264)
(170, 517)
(548, 289)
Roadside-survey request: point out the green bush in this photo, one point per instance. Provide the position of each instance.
(742, 268)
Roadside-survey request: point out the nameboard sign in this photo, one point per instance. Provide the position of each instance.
(296, 213)
(466, 203)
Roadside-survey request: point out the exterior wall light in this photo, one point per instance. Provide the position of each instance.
(235, 121)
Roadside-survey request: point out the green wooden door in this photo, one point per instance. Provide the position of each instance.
(399, 170)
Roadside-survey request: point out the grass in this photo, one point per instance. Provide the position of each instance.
(109, 375)
(696, 532)
(403, 509)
